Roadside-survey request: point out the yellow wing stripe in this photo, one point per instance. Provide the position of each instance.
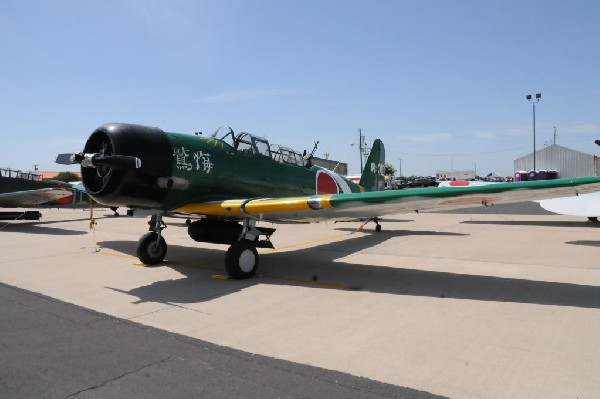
(257, 206)
(231, 207)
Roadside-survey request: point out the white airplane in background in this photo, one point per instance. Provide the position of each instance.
(586, 205)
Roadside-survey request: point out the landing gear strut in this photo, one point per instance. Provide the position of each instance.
(152, 247)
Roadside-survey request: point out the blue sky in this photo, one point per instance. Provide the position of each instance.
(442, 83)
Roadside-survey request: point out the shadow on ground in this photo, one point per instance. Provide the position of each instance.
(320, 267)
(539, 223)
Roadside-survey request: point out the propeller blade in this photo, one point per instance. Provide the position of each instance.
(118, 162)
(90, 160)
(68, 159)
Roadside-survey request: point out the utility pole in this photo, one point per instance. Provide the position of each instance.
(360, 148)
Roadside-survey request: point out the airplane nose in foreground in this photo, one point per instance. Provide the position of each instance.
(122, 162)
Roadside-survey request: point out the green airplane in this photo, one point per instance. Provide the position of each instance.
(232, 181)
(24, 189)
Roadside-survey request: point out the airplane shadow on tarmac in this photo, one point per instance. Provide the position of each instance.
(39, 227)
(540, 223)
(587, 243)
(320, 268)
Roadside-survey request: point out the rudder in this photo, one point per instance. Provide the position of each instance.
(373, 175)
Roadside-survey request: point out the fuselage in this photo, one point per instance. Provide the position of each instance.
(178, 168)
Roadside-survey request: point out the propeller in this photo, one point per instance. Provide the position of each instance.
(118, 162)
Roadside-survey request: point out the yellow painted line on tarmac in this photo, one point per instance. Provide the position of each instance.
(210, 265)
(291, 280)
(264, 251)
(204, 266)
(116, 255)
(302, 244)
(307, 282)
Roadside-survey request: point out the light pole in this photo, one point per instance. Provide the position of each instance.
(399, 167)
(533, 102)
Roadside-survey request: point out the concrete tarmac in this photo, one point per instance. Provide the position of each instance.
(51, 349)
(486, 304)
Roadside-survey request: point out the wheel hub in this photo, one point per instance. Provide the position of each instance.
(153, 249)
(247, 261)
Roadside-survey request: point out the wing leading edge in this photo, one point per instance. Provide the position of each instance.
(378, 203)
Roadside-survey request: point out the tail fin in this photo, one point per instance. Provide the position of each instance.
(372, 178)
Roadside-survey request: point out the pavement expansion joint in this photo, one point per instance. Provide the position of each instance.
(119, 377)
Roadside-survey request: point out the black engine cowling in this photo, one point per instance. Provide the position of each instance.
(128, 187)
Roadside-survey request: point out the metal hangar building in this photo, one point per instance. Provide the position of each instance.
(567, 162)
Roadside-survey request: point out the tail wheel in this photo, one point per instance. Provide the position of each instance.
(241, 260)
(151, 249)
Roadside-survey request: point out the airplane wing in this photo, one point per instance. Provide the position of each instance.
(32, 197)
(379, 203)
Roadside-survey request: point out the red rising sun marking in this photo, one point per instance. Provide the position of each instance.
(65, 200)
(459, 183)
(326, 184)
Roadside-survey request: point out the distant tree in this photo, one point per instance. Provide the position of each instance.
(389, 169)
(67, 176)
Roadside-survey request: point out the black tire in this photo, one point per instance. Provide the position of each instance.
(593, 219)
(241, 260)
(378, 228)
(151, 251)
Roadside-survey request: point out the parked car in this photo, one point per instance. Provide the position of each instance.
(423, 182)
(399, 184)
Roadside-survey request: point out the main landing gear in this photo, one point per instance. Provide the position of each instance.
(241, 259)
